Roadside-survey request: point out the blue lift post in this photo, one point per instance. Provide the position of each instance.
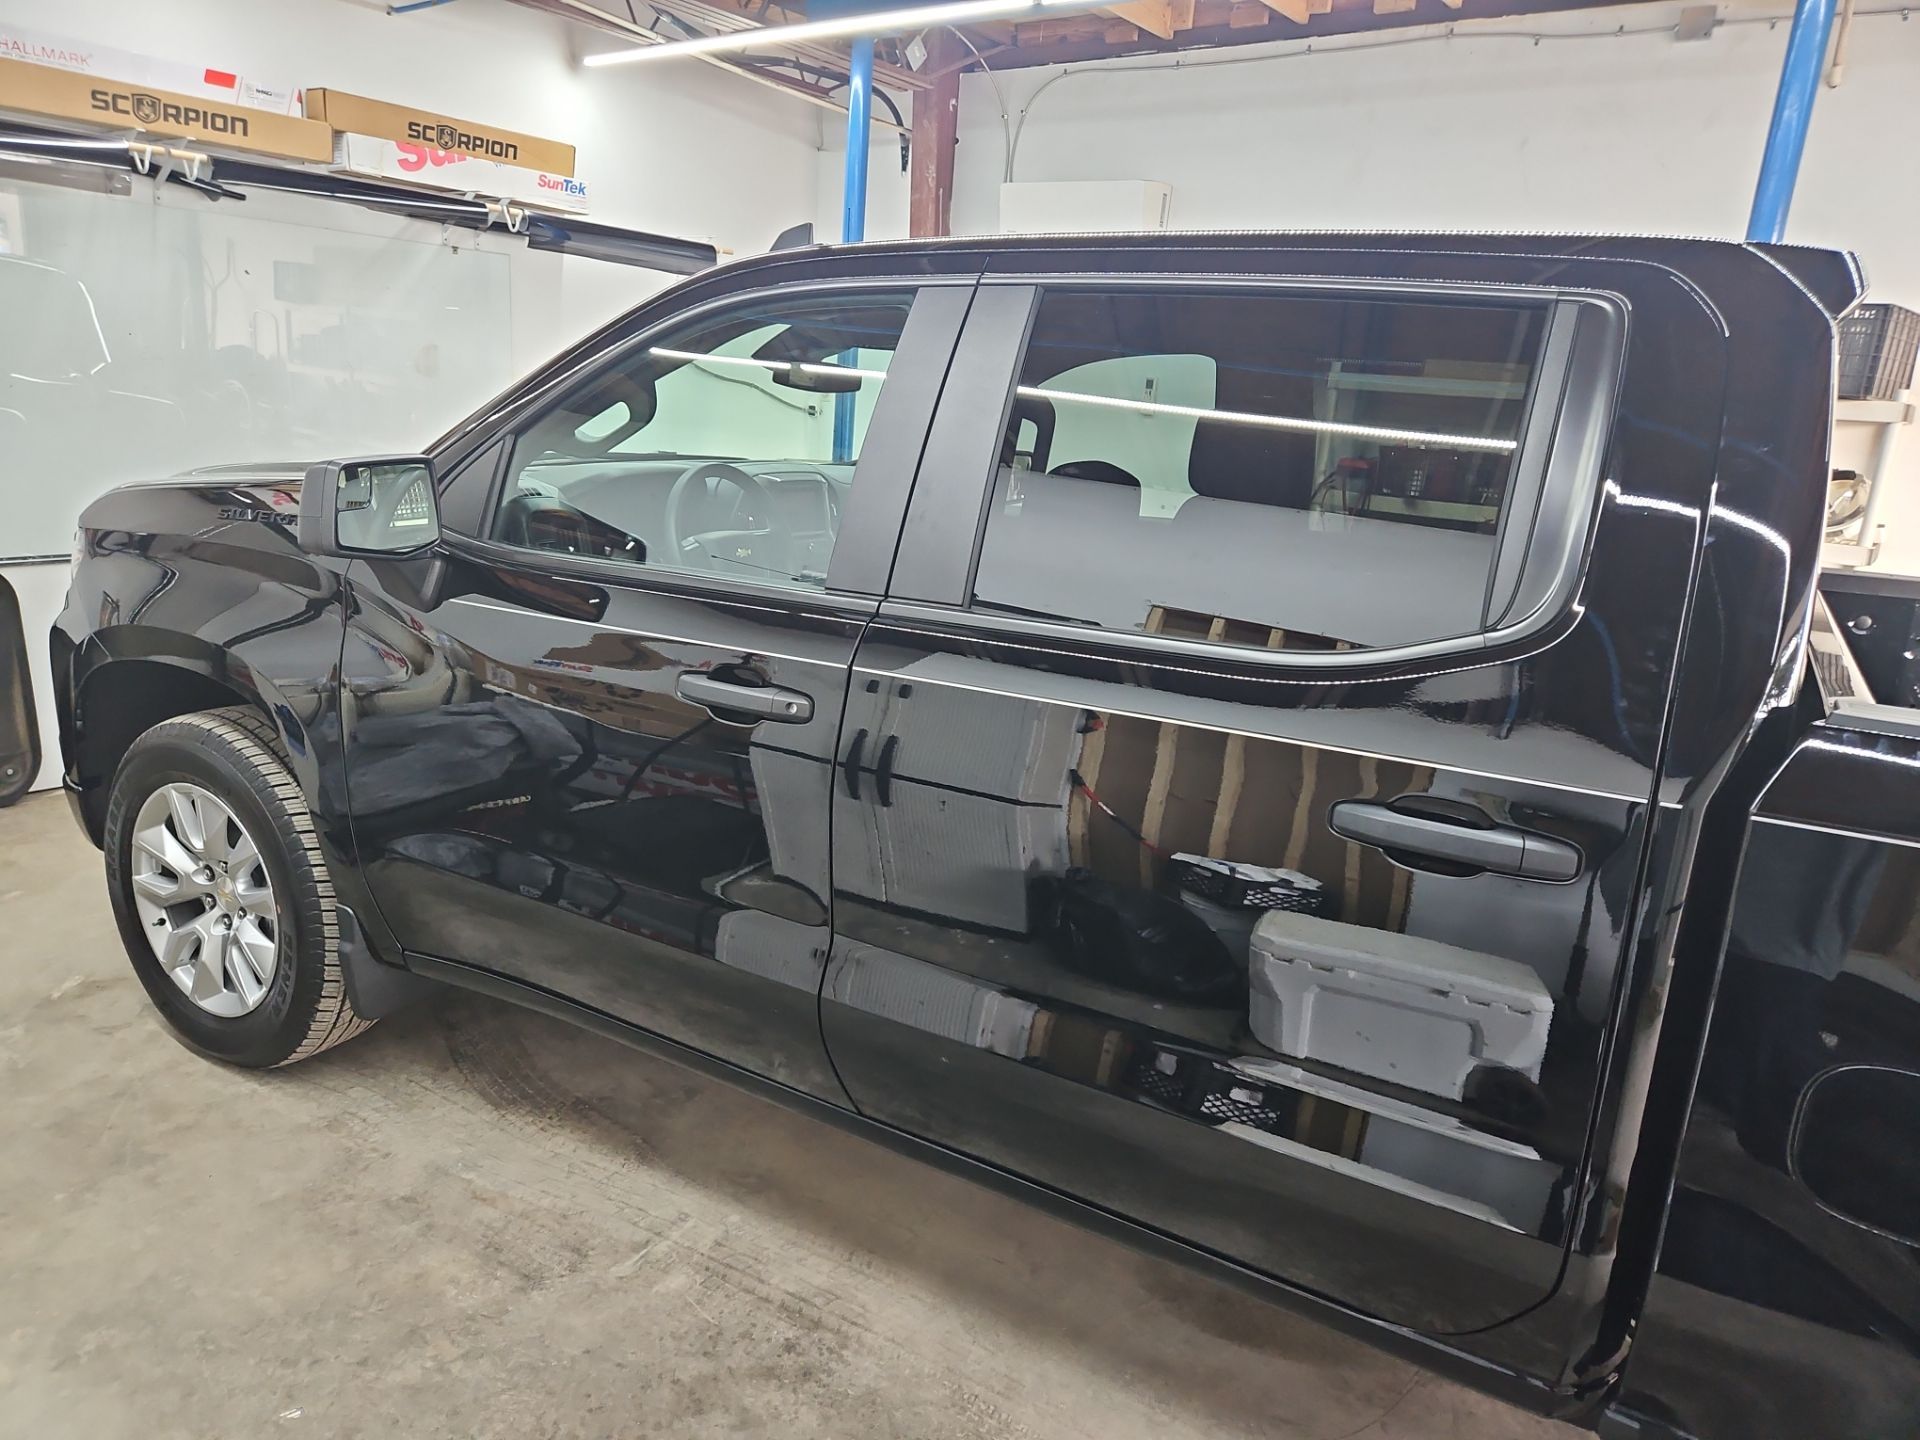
(1800, 75)
(853, 211)
(853, 207)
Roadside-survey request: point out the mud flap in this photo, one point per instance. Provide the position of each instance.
(19, 726)
(375, 988)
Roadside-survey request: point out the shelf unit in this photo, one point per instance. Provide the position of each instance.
(1886, 418)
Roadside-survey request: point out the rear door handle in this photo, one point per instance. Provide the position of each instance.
(852, 764)
(768, 702)
(1495, 849)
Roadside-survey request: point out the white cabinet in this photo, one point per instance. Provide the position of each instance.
(973, 806)
(1048, 207)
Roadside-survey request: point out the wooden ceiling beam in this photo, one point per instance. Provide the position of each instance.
(714, 15)
(1228, 23)
(1298, 11)
(936, 131)
(1153, 16)
(1091, 29)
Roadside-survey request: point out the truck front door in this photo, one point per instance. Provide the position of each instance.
(598, 762)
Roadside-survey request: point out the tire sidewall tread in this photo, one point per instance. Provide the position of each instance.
(235, 753)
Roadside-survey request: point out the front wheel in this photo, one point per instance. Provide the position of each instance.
(222, 893)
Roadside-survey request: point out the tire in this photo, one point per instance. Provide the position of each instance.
(231, 1012)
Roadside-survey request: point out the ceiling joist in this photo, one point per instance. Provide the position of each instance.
(816, 71)
(1153, 16)
(1298, 11)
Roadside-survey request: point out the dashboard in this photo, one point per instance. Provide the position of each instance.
(780, 526)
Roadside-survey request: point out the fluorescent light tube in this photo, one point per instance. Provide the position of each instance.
(879, 22)
(754, 363)
(1385, 434)
(1489, 444)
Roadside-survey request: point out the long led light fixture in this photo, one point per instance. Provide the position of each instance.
(878, 22)
(1383, 433)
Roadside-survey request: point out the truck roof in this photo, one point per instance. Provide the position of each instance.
(1833, 278)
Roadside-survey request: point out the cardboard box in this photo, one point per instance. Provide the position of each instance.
(404, 124)
(208, 81)
(92, 99)
(444, 170)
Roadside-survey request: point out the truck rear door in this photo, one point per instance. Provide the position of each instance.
(1245, 786)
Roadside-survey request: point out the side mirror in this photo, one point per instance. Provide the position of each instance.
(382, 505)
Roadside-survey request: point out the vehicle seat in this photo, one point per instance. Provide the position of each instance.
(1103, 471)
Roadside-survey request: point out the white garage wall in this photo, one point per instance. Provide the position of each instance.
(1616, 133)
(677, 149)
(1613, 133)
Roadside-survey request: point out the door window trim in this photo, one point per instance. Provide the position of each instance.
(1536, 568)
(883, 473)
(737, 592)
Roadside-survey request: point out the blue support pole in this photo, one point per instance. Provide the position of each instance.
(1792, 112)
(853, 204)
(853, 210)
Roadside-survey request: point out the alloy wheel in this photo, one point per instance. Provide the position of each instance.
(205, 899)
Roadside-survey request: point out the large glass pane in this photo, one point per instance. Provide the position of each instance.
(155, 331)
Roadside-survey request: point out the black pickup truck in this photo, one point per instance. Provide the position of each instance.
(1320, 755)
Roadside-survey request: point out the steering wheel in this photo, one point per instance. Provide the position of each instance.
(682, 542)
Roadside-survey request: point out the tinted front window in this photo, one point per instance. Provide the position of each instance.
(724, 448)
(1265, 470)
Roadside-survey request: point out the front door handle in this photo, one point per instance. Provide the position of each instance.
(1492, 849)
(768, 702)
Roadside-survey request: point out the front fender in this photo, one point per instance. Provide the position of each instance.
(163, 625)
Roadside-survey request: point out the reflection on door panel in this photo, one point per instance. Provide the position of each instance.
(998, 807)
(532, 796)
(1796, 1211)
(1151, 973)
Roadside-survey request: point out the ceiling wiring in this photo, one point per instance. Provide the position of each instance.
(1000, 96)
(1464, 32)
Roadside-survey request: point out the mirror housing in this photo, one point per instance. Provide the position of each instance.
(818, 379)
(378, 505)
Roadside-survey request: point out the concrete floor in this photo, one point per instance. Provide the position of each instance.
(477, 1222)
